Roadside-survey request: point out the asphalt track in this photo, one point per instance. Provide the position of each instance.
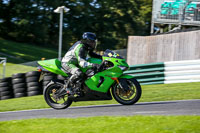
(181, 107)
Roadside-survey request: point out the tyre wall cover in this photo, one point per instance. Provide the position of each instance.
(18, 75)
(33, 93)
(5, 89)
(34, 88)
(32, 79)
(5, 79)
(18, 80)
(5, 84)
(20, 90)
(19, 85)
(33, 84)
(6, 93)
(6, 97)
(16, 95)
(32, 73)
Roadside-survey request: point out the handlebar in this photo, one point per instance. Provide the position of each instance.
(104, 63)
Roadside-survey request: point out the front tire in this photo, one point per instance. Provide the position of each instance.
(127, 97)
(51, 99)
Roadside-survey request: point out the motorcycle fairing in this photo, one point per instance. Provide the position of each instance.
(93, 82)
(53, 65)
(112, 72)
(126, 76)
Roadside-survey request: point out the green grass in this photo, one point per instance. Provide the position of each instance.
(150, 93)
(25, 52)
(105, 124)
(19, 53)
(16, 68)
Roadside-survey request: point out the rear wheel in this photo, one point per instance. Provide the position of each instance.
(52, 99)
(130, 96)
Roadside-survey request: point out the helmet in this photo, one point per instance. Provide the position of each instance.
(89, 39)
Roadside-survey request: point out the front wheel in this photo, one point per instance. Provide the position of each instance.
(52, 99)
(127, 96)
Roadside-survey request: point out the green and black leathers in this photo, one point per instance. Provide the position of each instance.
(76, 57)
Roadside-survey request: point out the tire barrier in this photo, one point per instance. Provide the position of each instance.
(33, 85)
(19, 85)
(47, 78)
(6, 88)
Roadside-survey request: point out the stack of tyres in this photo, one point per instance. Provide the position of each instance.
(33, 85)
(19, 85)
(47, 78)
(6, 88)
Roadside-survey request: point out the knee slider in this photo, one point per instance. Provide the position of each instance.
(78, 73)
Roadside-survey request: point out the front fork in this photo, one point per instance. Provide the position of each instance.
(117, 81)
(122, 83)
(124, 88)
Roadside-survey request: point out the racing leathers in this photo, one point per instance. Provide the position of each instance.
(75, 57)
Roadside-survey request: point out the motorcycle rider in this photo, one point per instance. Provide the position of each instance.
(77, 54)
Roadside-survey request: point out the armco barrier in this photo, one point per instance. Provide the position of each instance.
(166, 72)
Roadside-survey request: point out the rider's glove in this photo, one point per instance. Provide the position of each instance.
(90, 72)
(96, 67)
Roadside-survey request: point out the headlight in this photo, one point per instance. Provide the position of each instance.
(123, 68)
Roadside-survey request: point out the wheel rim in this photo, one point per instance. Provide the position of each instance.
(53, 99)
(126, 95)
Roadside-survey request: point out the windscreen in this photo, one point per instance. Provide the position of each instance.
(110, 53)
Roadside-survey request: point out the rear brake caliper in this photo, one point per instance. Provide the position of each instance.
(54, 91)
(55, 97)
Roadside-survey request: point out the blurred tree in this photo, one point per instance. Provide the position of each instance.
(33, 21)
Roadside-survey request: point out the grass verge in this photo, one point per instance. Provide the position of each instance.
(16, 68)
(131, 124)
(25, 52)
(163, 92)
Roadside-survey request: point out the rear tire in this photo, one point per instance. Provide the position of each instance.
(119, 93)
(48, 96)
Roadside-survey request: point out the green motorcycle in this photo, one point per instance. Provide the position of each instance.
(101, 84)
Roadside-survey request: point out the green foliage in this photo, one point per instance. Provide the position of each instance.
(104, 124)
(33, 21)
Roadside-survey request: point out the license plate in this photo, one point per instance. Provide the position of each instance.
(41, 76)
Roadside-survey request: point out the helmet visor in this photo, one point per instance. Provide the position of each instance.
(92, 43)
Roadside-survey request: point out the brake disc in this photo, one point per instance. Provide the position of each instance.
(55, 97)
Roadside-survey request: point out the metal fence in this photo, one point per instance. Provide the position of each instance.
(180, 12)
(3, 62)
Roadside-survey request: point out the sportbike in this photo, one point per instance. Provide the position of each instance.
(105, 83)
